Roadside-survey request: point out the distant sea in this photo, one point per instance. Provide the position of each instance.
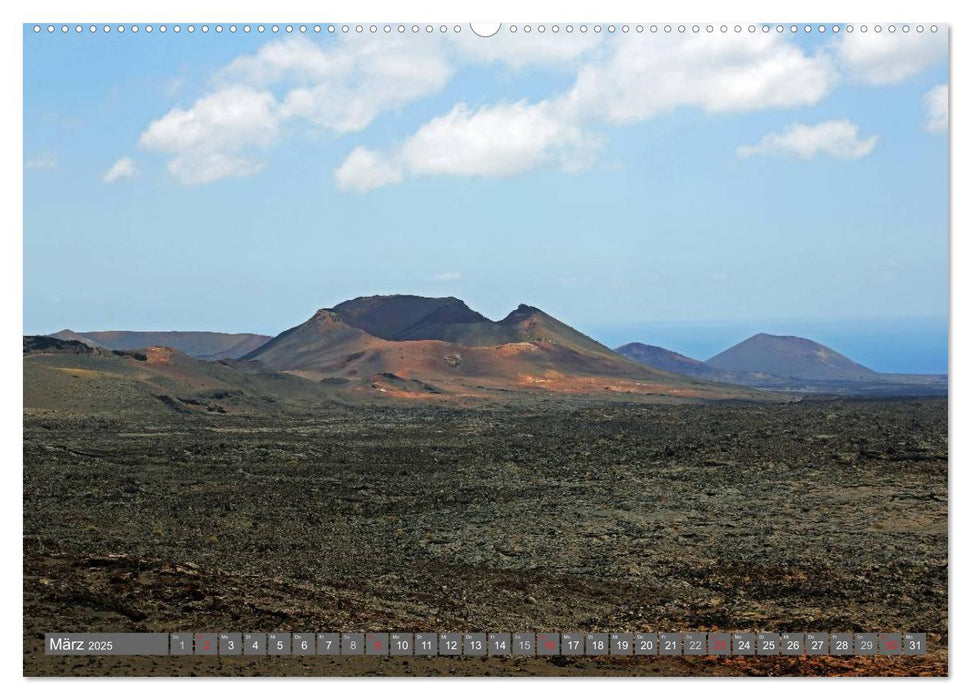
(912, 345)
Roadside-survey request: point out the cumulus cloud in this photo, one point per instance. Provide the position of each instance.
(345, 89)
(296, 86)
(635, 80)
(935, 109)
(293, 58)
(123, 168)
(494, 141)
(885, 58)
(499, 140)
(207, 139)
(836, 138)
(287, 82)
(42, 162)
(365, 170)
(642, 78)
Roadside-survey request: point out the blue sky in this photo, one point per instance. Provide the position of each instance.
(674, 189)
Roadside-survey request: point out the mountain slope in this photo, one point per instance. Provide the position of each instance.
(202, 345)
(448, 347)
(531, 325)
(68, 376)
(818, 369)
(326, 345)
(407, 317)
(790, 356)
(667, 360)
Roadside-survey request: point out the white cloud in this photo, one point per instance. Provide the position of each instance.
(836, 138)
(447, 277)
(365, 170)
(294, 58)
(494, 141)
(884, 58)
(206, 140)
(504, 139)
(642, 78)
(286, 82)
(935, 109)
(43, 162)
(340, 87)
(636, 80)
(345, 88)
(390, 81)
(220, 120)
(123, 168)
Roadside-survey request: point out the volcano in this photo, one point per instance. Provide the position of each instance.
(790, 356)
(384, 342)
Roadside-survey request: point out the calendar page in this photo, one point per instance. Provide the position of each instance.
(469, 349)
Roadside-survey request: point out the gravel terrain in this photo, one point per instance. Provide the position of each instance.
(827, 515)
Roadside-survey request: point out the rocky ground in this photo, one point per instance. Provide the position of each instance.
(809, 516)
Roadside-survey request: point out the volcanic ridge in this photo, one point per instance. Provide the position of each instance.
(442, 345)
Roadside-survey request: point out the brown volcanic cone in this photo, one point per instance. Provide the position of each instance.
(669, 361)
(790, 356)
(452, 349)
